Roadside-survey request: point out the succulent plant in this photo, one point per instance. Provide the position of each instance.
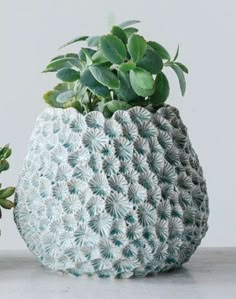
(5, 193)
(114, 72)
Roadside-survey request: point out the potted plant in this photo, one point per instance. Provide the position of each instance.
(5, 193)
(111, 184)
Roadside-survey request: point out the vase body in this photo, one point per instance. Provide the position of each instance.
(115, 197)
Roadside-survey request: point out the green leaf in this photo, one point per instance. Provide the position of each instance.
(142, 82)
(106, 112)
(73, 55)
(137, 47)
(98, 58)
(73, 103)
(126, 91)
(180, 75)
(113, 48)
(61, 87)
(104, 76)
(5, 152)
(128, 23)
(88, 55)
(118, 32)
(93, 41)
(130, 31)
(151, 62)
(60, 63)
(162, 90)
(50, 98)
(6, 204)
(66, 96)
(68, 75)
(57, 57)
(75, 40)
(84, 51)
(101, 106)
(4, 165)
(87, 79)
(183, 67)
(177, 54)
(7, 192)
(161, 51)
(127, 66)
(115, 105)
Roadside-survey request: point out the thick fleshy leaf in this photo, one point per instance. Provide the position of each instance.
(87, 79)
(68, 75)
(118, 32)
(142, 82)
(161, 51)
(180, 75)
(84, 52)
(50, 98)
(75, 40)
(113, 48)
(66, 96)
(60, 63)
(5, 152)
(130, 30)
(162, 89)
(183, 67)
(6, 204)
(101, 106)
(104, 76)
(7, 192)
(4, 165)
(127, 66)
(151, 61)
(65, 86)
(88, 54)
(137, 47)
(99, 58)
(93, 41)
(128, 23)
(115, 105)
(126, 91)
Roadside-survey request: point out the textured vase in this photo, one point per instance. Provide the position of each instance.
(116, 197)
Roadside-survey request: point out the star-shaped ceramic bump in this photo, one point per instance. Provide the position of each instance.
(115, 197)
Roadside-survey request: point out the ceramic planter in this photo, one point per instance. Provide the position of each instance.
(116, 197)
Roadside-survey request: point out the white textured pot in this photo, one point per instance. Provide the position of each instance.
(117, 197)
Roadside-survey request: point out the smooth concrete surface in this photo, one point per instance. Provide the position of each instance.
(211, 273)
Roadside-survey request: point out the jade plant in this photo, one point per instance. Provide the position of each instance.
(113, 72)
(5, 193)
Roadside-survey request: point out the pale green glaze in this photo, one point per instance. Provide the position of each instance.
(118, 197)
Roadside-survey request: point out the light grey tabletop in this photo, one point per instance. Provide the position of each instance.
(211, 273)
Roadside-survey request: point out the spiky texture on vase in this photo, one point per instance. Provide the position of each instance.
(116, 197)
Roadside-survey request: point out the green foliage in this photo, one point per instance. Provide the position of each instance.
(104, 76)
(137, 47)
(180, 75)
(113, 72)
(68, 75)
(113, 48)
(5, 153)
(162, 90)
(151, 62)
(142, 82)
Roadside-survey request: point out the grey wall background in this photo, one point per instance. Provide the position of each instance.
(31, 32)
